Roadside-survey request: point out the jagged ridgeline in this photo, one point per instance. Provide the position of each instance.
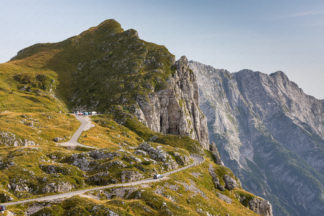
(102, 66)
(270, 133)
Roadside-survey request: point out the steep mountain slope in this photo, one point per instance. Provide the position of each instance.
(270, 133)
(106, 66)
(150, 123)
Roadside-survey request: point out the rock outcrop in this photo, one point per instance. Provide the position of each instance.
(230, 183)
(130, 176)
(262, 207)
(5, 197)
(154, 153)
(10, 139)
(175, 109)
(224, 198)
(215, 153)
(270, 133)
(216, 181)
(54, 187)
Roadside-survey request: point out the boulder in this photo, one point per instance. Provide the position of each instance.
(216, 182)
(140, 152)
(170, 165)
(230, 183)
(101, 178)
(101, 210)
(80, 160)
(224, 198)
(55, 187)
(10, 139)
(58, 139)
(103, 154)
(181, 159)
(19, 186)
(130, 175)
(260, 206)
(216, 156)
(53, 169)
(154, 153)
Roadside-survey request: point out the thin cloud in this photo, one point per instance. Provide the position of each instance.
(300, 14)
(307, 13)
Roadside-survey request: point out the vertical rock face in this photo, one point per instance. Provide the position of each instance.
(270, 133)
(175, 109)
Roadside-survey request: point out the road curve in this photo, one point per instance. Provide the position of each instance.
(85, 125)
(197, 160)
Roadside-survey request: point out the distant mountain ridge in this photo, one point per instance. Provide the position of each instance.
(269, 132)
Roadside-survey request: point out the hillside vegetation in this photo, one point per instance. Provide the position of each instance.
(102, 61)
(103, 68)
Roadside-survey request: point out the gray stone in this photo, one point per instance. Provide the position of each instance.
(216, 182)
(20, 186)
(252, 115)
(260, 206)
(175, 109)
(181, 159)
(80, 160)
(103, 154)
(55, 187)
(140, 152)
(224, 198)
(58, 139)
(53, 169)
(216, 156)
(230, 183)
(10, 139)
(154, 153)
(130, 176)
(100, 178)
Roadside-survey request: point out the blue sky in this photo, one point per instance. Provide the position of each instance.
(263, 35)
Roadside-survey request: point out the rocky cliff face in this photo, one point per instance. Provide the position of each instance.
(175, 109)
(270, 133)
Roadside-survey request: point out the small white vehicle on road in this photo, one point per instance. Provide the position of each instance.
(157, 176)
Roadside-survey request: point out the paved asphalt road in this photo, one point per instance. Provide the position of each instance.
(197, 161)
(85, 125)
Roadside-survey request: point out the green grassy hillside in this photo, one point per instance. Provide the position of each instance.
(102, 68)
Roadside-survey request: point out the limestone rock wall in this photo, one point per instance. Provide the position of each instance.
(269, 132)
(175, 110)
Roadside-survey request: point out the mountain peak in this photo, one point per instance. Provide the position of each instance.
(110, 25)
(279, 74)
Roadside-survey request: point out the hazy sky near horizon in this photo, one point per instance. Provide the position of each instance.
(261, 35)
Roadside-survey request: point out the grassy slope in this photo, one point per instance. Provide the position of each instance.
(122, 66)
(103, 65)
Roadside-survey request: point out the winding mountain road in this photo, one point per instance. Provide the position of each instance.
(85, 125)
